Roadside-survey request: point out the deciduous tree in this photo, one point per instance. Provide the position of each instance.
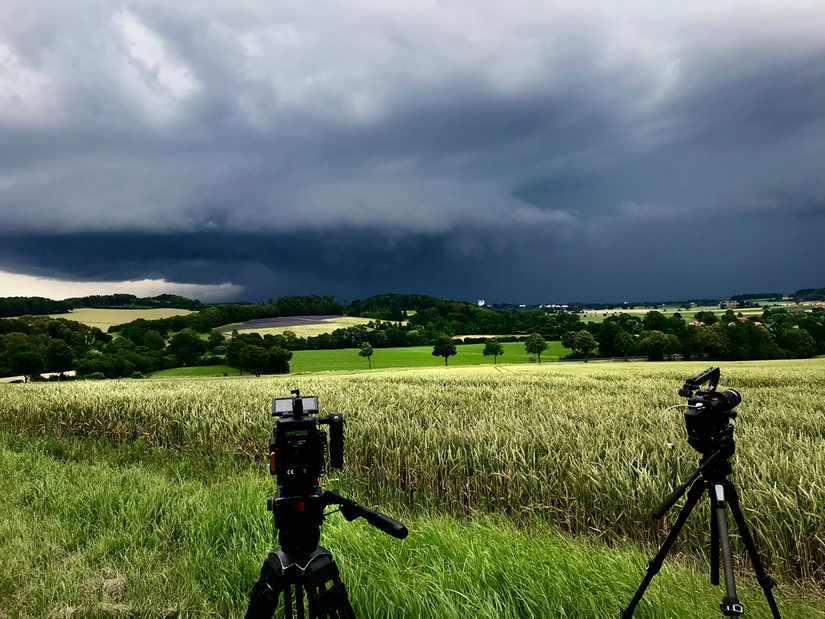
(493, 347)
(366, 351)
(444, 347)
(59, 357)
(535, 345)
(623, 343)
(585, 342)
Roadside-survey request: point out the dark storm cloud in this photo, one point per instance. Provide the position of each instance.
(595, 152)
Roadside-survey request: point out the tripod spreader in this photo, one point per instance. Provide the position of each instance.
(352, 510)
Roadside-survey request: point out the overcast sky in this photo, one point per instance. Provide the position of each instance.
(518, 151)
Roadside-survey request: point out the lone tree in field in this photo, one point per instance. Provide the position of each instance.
(535, 345)
(584, 342)
(493, 347)
(366, 351)
(444, 347)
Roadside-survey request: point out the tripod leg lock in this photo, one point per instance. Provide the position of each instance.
(653, 566)
(731, 607)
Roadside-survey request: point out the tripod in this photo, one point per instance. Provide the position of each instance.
(711, 476)
(301, 566)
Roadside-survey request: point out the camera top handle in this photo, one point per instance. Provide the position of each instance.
(693, 384)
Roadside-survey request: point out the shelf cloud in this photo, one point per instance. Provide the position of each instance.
(531, 152)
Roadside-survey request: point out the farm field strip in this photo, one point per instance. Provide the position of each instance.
(575, 446)
(105, 318)
(131, 530)
(687, 314)
(302, 326)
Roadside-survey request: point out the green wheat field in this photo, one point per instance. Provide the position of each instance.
(527, 491)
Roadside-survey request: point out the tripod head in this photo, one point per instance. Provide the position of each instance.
(298, 452)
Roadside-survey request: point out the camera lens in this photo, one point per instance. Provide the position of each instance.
(732, 397)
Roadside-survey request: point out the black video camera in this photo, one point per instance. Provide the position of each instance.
(709, 414)
(298, 447)
(297, 455)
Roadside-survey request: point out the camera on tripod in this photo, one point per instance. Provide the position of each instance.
(710, 432)
(709, 414)
(298, 454)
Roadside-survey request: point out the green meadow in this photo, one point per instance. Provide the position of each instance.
(414, 356)
(383, 358)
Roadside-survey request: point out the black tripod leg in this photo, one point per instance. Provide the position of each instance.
(730, 603)
(714, 544)
(263, 600)
(288, 593)
(326, 594)
(655, 564)
(766, 582)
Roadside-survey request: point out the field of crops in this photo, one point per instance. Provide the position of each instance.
(527, 490)
(302, 326)
(105, 318)
(669, 310)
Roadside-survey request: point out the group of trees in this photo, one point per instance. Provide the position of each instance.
(777, 334)
(32, 345)
(257, 354)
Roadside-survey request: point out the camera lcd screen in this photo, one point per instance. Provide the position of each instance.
(283, 406)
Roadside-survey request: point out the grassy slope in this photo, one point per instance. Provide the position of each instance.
(92, 529)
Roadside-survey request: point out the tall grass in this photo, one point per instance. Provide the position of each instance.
(93, 529)
(574, 446)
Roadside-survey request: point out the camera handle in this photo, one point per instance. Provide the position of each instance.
(352, 510)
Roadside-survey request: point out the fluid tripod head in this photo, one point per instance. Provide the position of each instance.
(709, 414)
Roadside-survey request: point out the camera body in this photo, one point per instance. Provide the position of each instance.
(709, 414)
(297, 456)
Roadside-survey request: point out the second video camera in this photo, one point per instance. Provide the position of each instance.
(709, 414)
